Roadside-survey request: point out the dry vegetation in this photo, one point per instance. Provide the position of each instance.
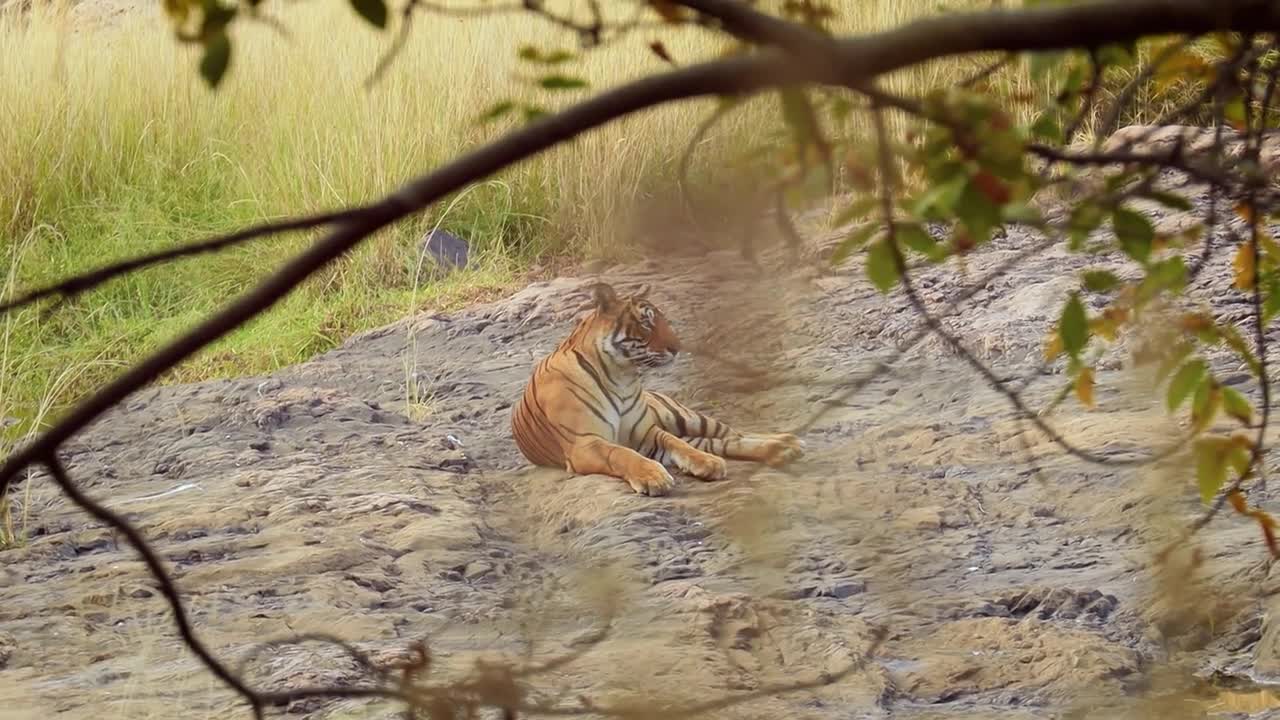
(113, 147)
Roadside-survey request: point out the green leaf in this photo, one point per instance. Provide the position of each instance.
(532, 112)
(216, 18)
(1041, 63)
(1271, 304)
(979, 215)
(1233, 112)
(854, 241)
(1239, 459)
(1077, 76)
(1185, 382)
(797, 112)
(1237, 405)
(1168, 274)
(1073, 326)
(1100, 280)
(914, 236)
(1234, 340)
(1047, 127)
(498, 110)
(841, 108)
(857, 210)
(1021, 213)
(1175, 357)
(1205, 404)
(1170, 200)
(1085, 218)
(1134, 232)
(375, 11)
(532, 54)
(882, 268)
(561, 82)
(1211, 469)
(216, 59)
(1117, 55)
(941, 199)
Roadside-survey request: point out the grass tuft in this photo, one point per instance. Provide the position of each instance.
(113, 147)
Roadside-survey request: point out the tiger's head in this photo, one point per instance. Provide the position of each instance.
(637, 331)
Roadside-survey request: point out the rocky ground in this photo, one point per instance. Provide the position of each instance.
(375, 493)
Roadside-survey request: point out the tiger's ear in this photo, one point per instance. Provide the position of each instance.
(605, 297)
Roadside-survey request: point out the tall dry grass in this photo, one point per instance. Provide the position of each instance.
(112, 146)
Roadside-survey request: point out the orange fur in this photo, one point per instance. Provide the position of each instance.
(584, 408)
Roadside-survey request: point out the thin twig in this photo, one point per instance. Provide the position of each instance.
(89, 280)
(168, 589)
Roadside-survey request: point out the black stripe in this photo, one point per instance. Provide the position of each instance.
(634, 401)
(547, 422)
(592, 408)
(680, 424)
(604, 367)
(631, 434)
(536, 440)
(575, 384)
(582, 361)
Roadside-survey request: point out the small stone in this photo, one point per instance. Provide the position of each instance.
(7, 646)
(446, 251)
(476, 570)
(844, 590)
(260, 445)
(925, 518)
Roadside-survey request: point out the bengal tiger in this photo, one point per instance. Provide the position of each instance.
(584, 409)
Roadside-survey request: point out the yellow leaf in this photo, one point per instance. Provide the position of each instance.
(669, 11)
(1102, 326)
(1269, 248)
(1054, 347)
(1241, 440)
(1181, 65)
(1237, 502)
(1195, 322)
(1244, 210)
(1117, 315)
(1244, 266)
(1084, 386)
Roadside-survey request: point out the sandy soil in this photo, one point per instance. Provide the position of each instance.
(375, 493)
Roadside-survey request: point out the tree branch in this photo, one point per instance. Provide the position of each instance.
(850, 61)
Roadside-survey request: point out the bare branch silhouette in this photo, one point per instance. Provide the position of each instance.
(793, 55)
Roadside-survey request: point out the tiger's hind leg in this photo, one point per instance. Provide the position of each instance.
(709, 435)
(591, 454)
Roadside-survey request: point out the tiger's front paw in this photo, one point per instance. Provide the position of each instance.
(783, 448)
(707, 467)
(651, 479)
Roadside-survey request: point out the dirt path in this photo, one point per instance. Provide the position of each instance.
(375, 493)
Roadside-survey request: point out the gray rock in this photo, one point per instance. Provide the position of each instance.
(443, 251)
